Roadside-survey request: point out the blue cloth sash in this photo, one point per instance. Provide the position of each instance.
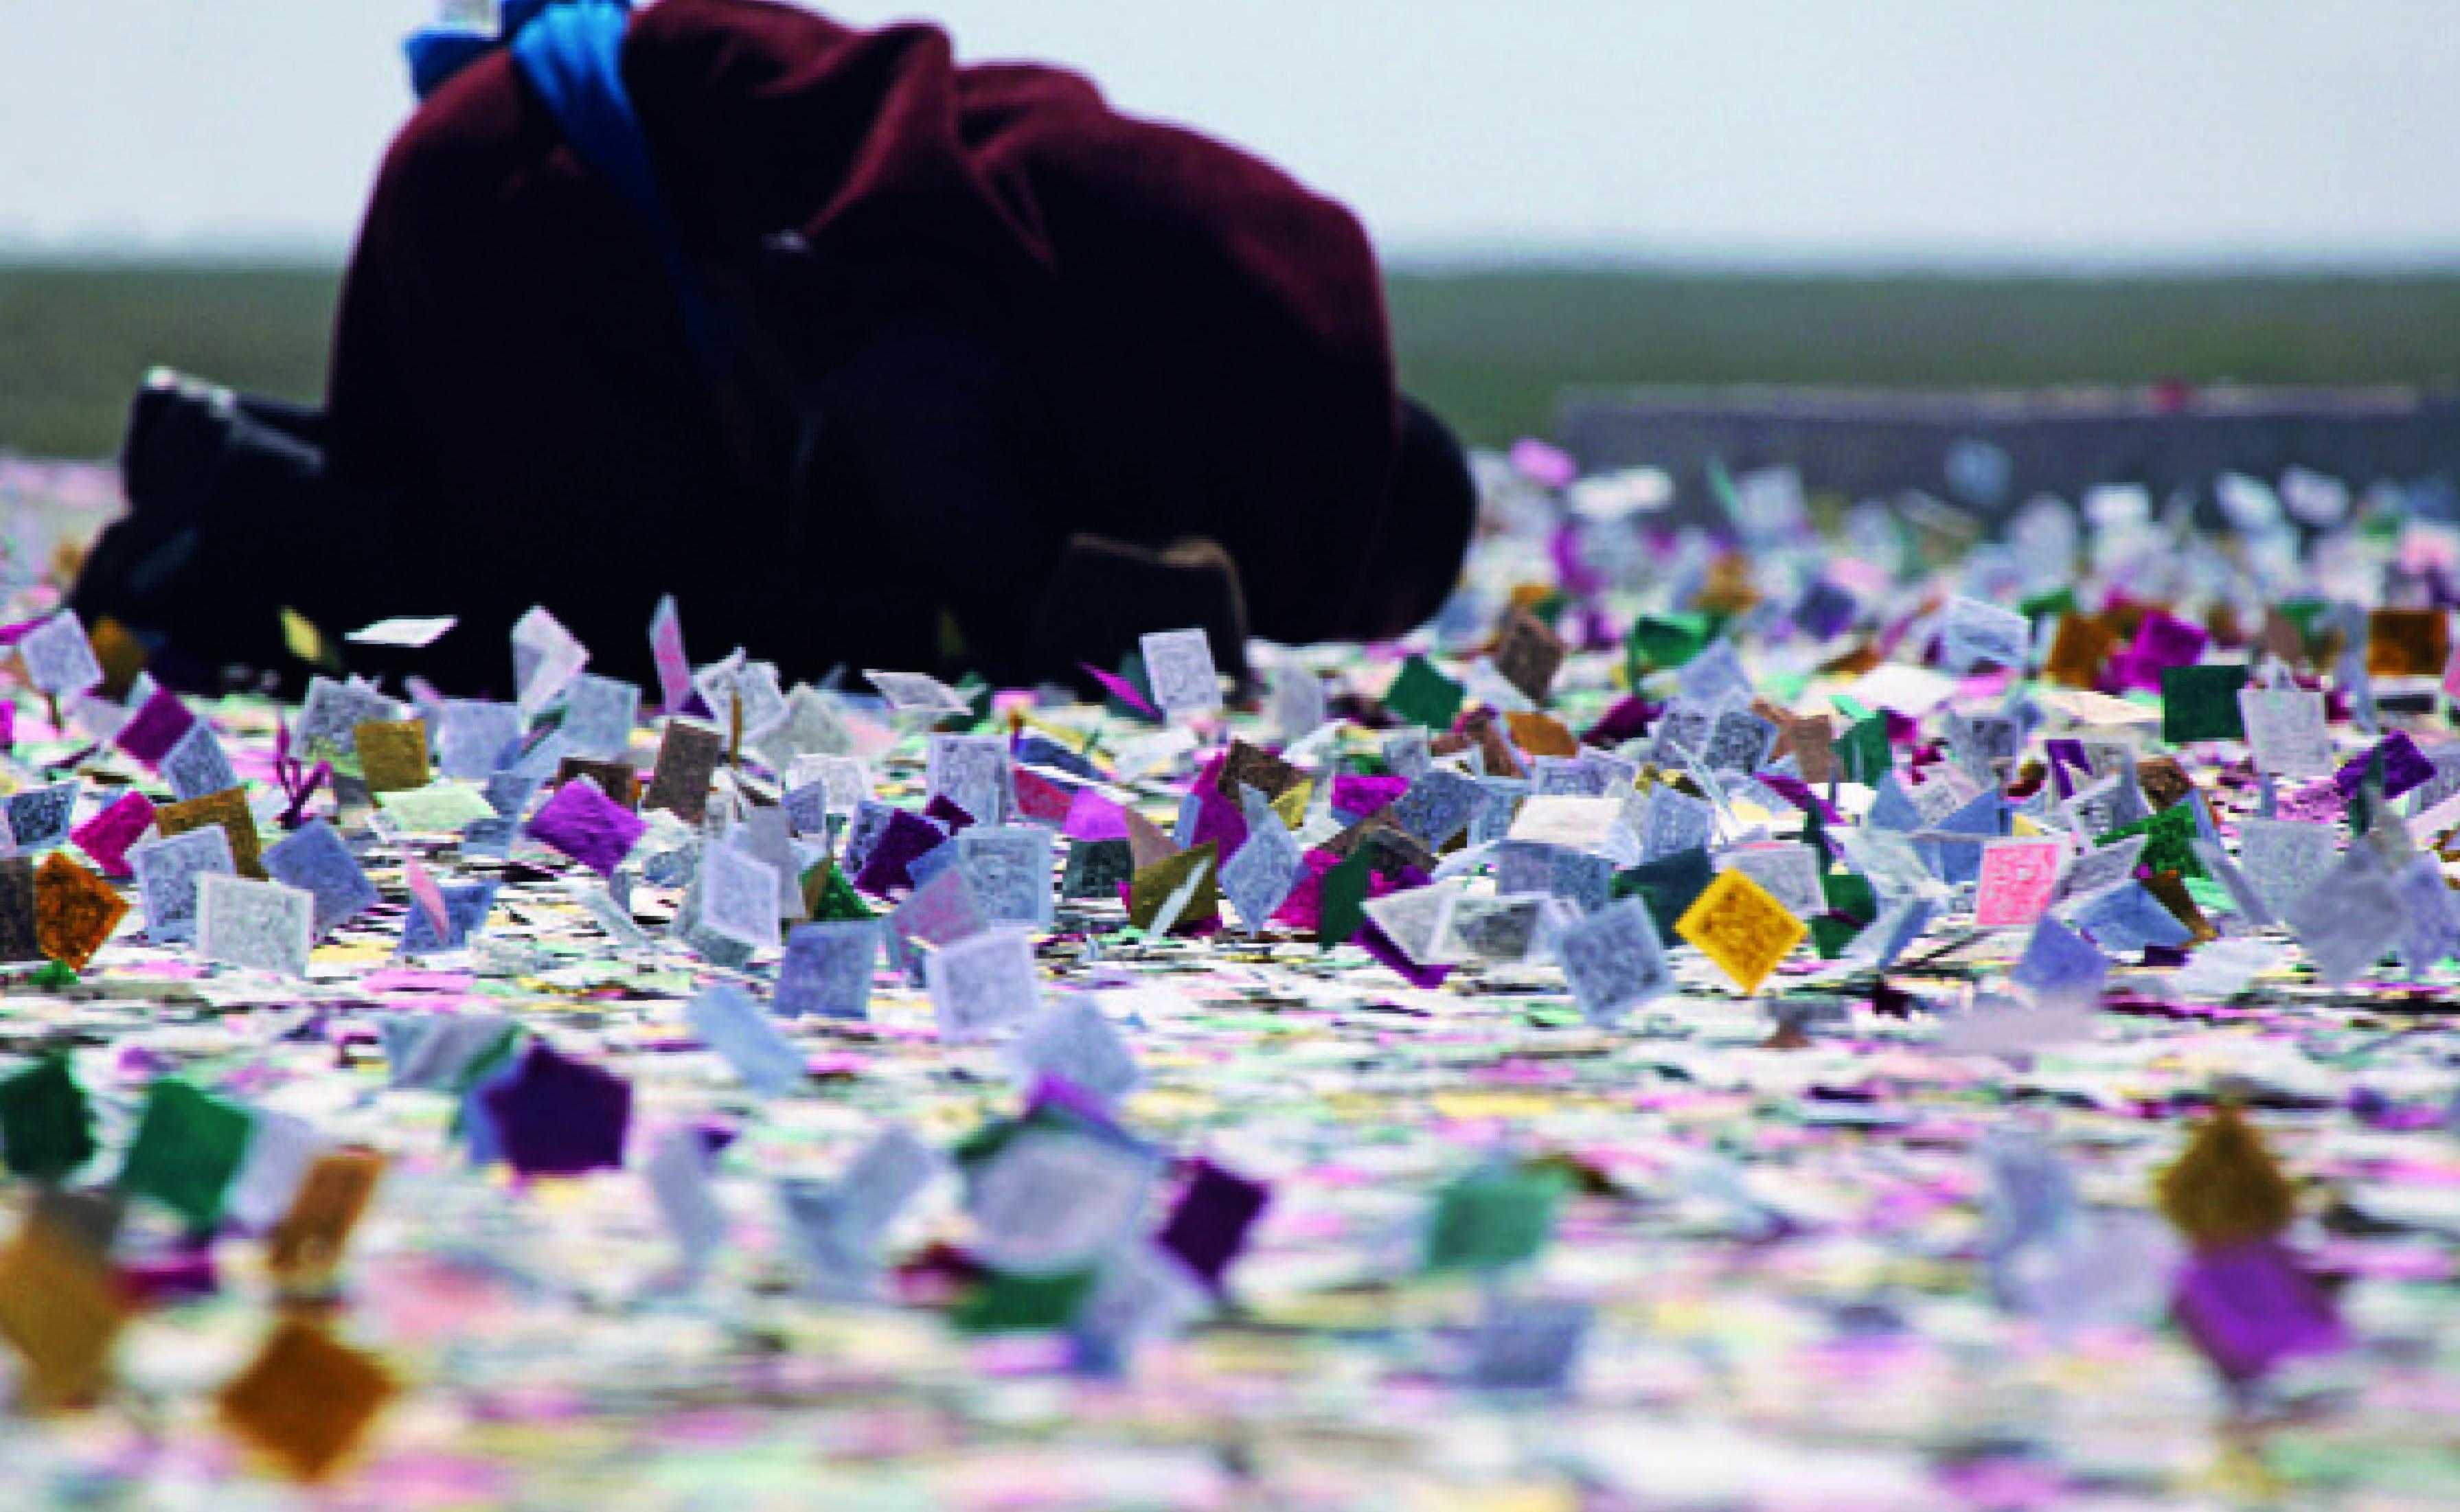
(572, 53)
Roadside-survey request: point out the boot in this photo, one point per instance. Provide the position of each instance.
(1106, 594)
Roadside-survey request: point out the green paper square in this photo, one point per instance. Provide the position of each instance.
(978, 696)
(830, 898)
(2304, 612)
(1493, 1219)
(1864, 751)
(985, 1145)
(187, 1150)
(1132, 672)
(46, 1127)
(1850, 894)
(2062, 601)
(1424, 696)
(1014, 1304)
(1341, 910)
(441, 807)
(2200, 703)
(1666, 887)
(1664, 640)
(1830, 935)
(486, 1064)
(1814, 835)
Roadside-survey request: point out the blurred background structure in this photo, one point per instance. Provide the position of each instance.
(1920, 194)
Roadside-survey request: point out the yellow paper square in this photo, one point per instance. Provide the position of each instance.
(2226, 1189)
(393, 754)
(1153, 886)
(1737, 924)
(228, 808)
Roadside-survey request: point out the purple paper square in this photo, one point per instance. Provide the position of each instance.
(153, 730)
(1627, 720)
(1120, 688)
(1209, 1227)
(587, 825)
(1090, 816)
(1057, 1095)
(1356, 796)
(1825, 610)
(107, 835)
(1799, 793)
(2248, 1307)
(2406, 769)
(1218, 819)
(560, 1117)
(906, 837)
(1378, 944)
(2066, 756)
(948, 811)
(2163, 640)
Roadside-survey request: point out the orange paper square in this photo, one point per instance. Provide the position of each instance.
(1542, 735)
(75, 911)
(335, 1195)
(2408, 642)
(61, 1308)
(306, 1401)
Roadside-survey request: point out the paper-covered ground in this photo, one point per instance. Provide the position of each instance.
(1888, 1023)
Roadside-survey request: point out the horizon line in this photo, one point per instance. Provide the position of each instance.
(1458, 258)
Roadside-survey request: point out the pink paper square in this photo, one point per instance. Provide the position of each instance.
(2017, 878)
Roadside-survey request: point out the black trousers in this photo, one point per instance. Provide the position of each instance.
(922, 518)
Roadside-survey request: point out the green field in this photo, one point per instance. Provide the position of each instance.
(1491, 349)
(74, 342)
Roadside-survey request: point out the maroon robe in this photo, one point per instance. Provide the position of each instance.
(1205, 339)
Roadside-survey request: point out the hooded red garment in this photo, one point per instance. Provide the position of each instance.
(1206, 338)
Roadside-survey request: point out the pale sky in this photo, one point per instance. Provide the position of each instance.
(1791, 131)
